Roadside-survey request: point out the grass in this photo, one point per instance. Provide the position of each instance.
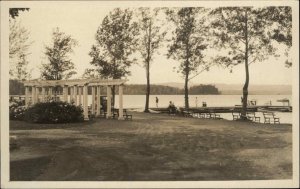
(152, 147)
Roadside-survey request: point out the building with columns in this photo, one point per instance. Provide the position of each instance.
(75, 91)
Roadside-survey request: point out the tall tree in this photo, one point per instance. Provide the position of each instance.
(59, 65)
(188, 42)
(247, 35)
(18, 46)
(115, 43)
(150, 40)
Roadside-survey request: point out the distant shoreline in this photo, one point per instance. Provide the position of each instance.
(17, 88)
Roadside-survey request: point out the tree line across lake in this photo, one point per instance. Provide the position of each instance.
(17, 88)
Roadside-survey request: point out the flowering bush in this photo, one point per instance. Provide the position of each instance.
(54, 112)
(16, 110)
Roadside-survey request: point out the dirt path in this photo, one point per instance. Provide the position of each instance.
(152, 147)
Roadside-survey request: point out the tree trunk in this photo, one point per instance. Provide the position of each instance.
(148, 69)
(187, 72)
(186, 90)
(148, 88)
(245, 88)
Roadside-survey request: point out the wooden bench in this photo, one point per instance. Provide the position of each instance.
(251, 116)
(202, 115)
(268, 116)
(187, 113)
(236, 115)
(126, 115)
(115, 113)
(213, 115)
(210, 115)
(199, 114)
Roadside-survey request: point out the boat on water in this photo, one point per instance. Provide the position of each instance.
(284, 101)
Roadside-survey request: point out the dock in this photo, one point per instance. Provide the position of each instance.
(230, 109)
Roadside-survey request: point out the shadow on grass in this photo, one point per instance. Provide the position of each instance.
(23, 125)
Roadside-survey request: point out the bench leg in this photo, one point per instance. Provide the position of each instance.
(257, 119)
(276, 121)
(267, 120)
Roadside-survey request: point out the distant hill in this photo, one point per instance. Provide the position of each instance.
(237, 88)
(17, 88)
(255, 89)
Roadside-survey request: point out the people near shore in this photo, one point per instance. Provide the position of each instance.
(171, 108)
(156, 101)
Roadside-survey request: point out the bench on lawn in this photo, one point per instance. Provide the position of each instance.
(115, 114)
(126, 115)
(213, 115)
(210, 115)
(251, 116)
(199, 114)
(187, 113)
(269, 116)
(202, 115)
(236, 115)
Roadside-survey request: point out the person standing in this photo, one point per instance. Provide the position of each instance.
(196, 101)
(156, 100)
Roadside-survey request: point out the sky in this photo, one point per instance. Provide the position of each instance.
(81, 20)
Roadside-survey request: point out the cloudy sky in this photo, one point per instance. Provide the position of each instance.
(81, 20)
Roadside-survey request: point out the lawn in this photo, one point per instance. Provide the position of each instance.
(152, 147)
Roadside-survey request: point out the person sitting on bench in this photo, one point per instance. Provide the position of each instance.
(172, 108)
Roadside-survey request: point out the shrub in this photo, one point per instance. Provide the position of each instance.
(54, 112)
(16, 110)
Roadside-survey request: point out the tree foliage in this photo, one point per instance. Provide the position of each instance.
(150, 39)
(115, 43)
(14, 12)
(282, 33)
(189, 41)
(59, 65)
(19, 44)
(21, 72)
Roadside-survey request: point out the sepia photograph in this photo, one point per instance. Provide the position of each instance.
(149, 94)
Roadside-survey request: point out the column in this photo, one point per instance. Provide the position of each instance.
(37, 91)
(108, 106)
(33, 101)
(33, 95)
(71, 94)
(98, 101)
(65, 93)
(43, 94)
(26, 96)
(50, 93)
(79, 94)
(85, 103)
(121, 102)
(93, 100)
(75, 95)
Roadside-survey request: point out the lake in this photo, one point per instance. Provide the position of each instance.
(138, 101)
